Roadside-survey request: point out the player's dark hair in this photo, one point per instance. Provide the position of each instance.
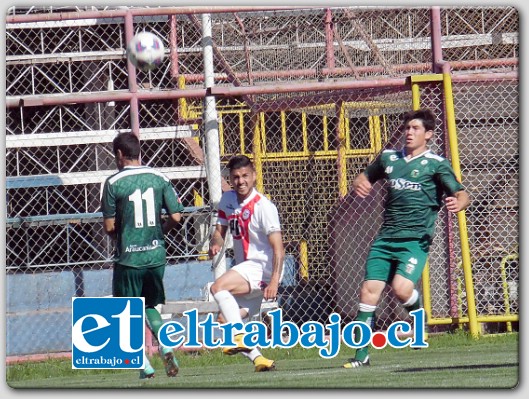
(425, 115)
(239, 161)
(128, 143)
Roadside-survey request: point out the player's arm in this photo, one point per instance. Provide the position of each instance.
(171, 222)
(460, 199)
(109, 225)
(217, 240)
(174, 208)
(108, 208)
(276, 242)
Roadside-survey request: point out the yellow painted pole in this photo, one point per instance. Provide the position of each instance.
(506, 299)
(374, 123)
(284, 146)
(415, 96)
(461, 217)
(221, 135)
(459, 302)
(182, 102)
(303, 260)
(304, 133)
(342, 165)
(325, 133)
(426, 292)
(258, 151)
(241, 132)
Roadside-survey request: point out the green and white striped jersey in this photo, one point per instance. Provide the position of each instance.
(415, 191)
(135, 197)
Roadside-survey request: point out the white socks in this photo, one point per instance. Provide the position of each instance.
(412, 299)
(231, 312)
(252, 354)
(228, 306)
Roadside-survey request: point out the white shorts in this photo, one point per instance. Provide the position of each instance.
(258, 278)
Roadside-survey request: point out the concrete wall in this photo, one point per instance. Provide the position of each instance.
(39, 305)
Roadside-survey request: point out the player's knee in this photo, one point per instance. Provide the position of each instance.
(216, 287)
(368, 294)
(403, 294)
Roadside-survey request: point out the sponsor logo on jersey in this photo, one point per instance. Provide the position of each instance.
(142, 248)
(389, 169)
(403, 184)
(424, 162)
(393, 157)
(414, 173)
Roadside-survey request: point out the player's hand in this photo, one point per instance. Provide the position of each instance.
(361, 186)
(213, 250)
(453, 204)
(270, 291)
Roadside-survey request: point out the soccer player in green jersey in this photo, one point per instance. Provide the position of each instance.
(132, 204)
(418, 180)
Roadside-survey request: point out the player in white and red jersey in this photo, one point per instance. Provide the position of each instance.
(253, 221)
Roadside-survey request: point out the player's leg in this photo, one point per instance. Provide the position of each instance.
(250, 306)
(128, 282)
(369, 295)
(148, 370)
(411, 265)
(377, 273)
(223, 290)
(260, 362)
(154, 293)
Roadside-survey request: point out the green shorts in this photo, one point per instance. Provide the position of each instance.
(139, 282)
(404, 256)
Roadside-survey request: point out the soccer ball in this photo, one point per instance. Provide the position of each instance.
(146, 51)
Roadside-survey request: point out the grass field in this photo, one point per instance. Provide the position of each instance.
(451, 361)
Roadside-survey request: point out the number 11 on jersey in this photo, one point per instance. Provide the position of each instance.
(137, 197)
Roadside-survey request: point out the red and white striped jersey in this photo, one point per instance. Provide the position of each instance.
(250, 224)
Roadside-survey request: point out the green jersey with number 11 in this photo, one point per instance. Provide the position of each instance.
(415, 191)
(135, 197)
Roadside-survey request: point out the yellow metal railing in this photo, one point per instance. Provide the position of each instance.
(336, 145)
(506, 318)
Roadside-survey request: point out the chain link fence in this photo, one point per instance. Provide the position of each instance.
(311, 95)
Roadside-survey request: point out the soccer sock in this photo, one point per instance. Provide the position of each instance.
(228, 306)
(154, 322)
(252, 354)
(366, 313)
(413, 302)
(146, 362)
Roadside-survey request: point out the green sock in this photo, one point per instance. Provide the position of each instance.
(416, 303)
(154, 320)
(366, 313)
